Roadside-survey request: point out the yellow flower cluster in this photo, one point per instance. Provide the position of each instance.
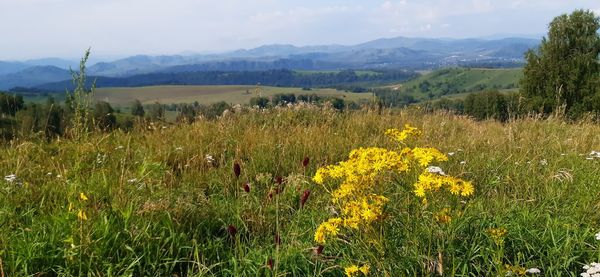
(433, 182)
(359, 174)
(497, 234)
(354, 270)
(425, 156)
(401, 136)
(330, 227)
(358, 178)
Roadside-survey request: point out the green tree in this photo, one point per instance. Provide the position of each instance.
(563, 71)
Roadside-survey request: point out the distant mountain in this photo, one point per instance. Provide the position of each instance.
(11, 67)
(33, 76)
(398, 52)
(385, 53)
(57, 62)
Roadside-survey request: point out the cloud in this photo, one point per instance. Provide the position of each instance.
(38, 28)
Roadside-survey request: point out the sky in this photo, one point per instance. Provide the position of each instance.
(118, 28)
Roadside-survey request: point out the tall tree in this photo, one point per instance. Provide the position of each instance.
(563, 71)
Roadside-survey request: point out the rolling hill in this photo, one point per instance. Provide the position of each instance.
(452, 81)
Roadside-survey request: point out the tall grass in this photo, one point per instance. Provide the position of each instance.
(158, 206)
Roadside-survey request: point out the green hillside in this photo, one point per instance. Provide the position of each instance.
(458, 80)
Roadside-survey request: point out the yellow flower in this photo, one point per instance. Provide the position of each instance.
(365, 269)
(81, 215)
(401, 136)
(82, 196)
(467, 189)
(352, 270)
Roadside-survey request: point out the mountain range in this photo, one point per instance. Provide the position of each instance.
(385, 53)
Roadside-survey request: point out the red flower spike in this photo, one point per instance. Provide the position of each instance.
(231, 230)
(237, 170)
(247, 187)
(278, 180)
(305, 161)
(304, 197)
(270, 263)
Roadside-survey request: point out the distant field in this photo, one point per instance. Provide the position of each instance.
(450, 81)
(358, 72)
(208, 94)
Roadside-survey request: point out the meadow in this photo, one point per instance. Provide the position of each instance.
(209, 94)
(236, 196)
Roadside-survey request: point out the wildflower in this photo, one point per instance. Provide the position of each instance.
(592, 269)
(83, 197)
(497, 234)
(247, 187)
(209, 159)
(364, 269)
(401, 136)
(451, 153)
(463, 162)
(237, 170)
(270, 263)
(318, 250)
(305, 161)
(436, 170)
(132, 180)
(351, 270)
(327, 228)
(544, 162)
(10, 178)
(304, 197)
(533, 270)
(231, 230)
(597, 236)
(279, 180)
(179, 148)
(81, 215)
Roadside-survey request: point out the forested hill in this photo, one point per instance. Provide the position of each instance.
(282, 77)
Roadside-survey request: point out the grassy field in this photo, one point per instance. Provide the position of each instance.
(208, 94)
(459, 80)
(173, 200)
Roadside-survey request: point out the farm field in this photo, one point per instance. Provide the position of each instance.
(209, 94)
(249, 194)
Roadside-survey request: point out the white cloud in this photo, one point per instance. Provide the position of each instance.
(37, 28)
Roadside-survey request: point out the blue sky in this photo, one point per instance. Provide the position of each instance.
(116, 28)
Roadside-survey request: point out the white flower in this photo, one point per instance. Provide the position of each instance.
(533, 270)
(592, 269)
(134, 180)
(10, 178)
(463, 162)
(119, 147)
(598, 236)
(450, 153)
(436, 170)
(179, 148)
(209, 158)
(544, 162)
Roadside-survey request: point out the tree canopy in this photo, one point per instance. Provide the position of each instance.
(563, 72)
